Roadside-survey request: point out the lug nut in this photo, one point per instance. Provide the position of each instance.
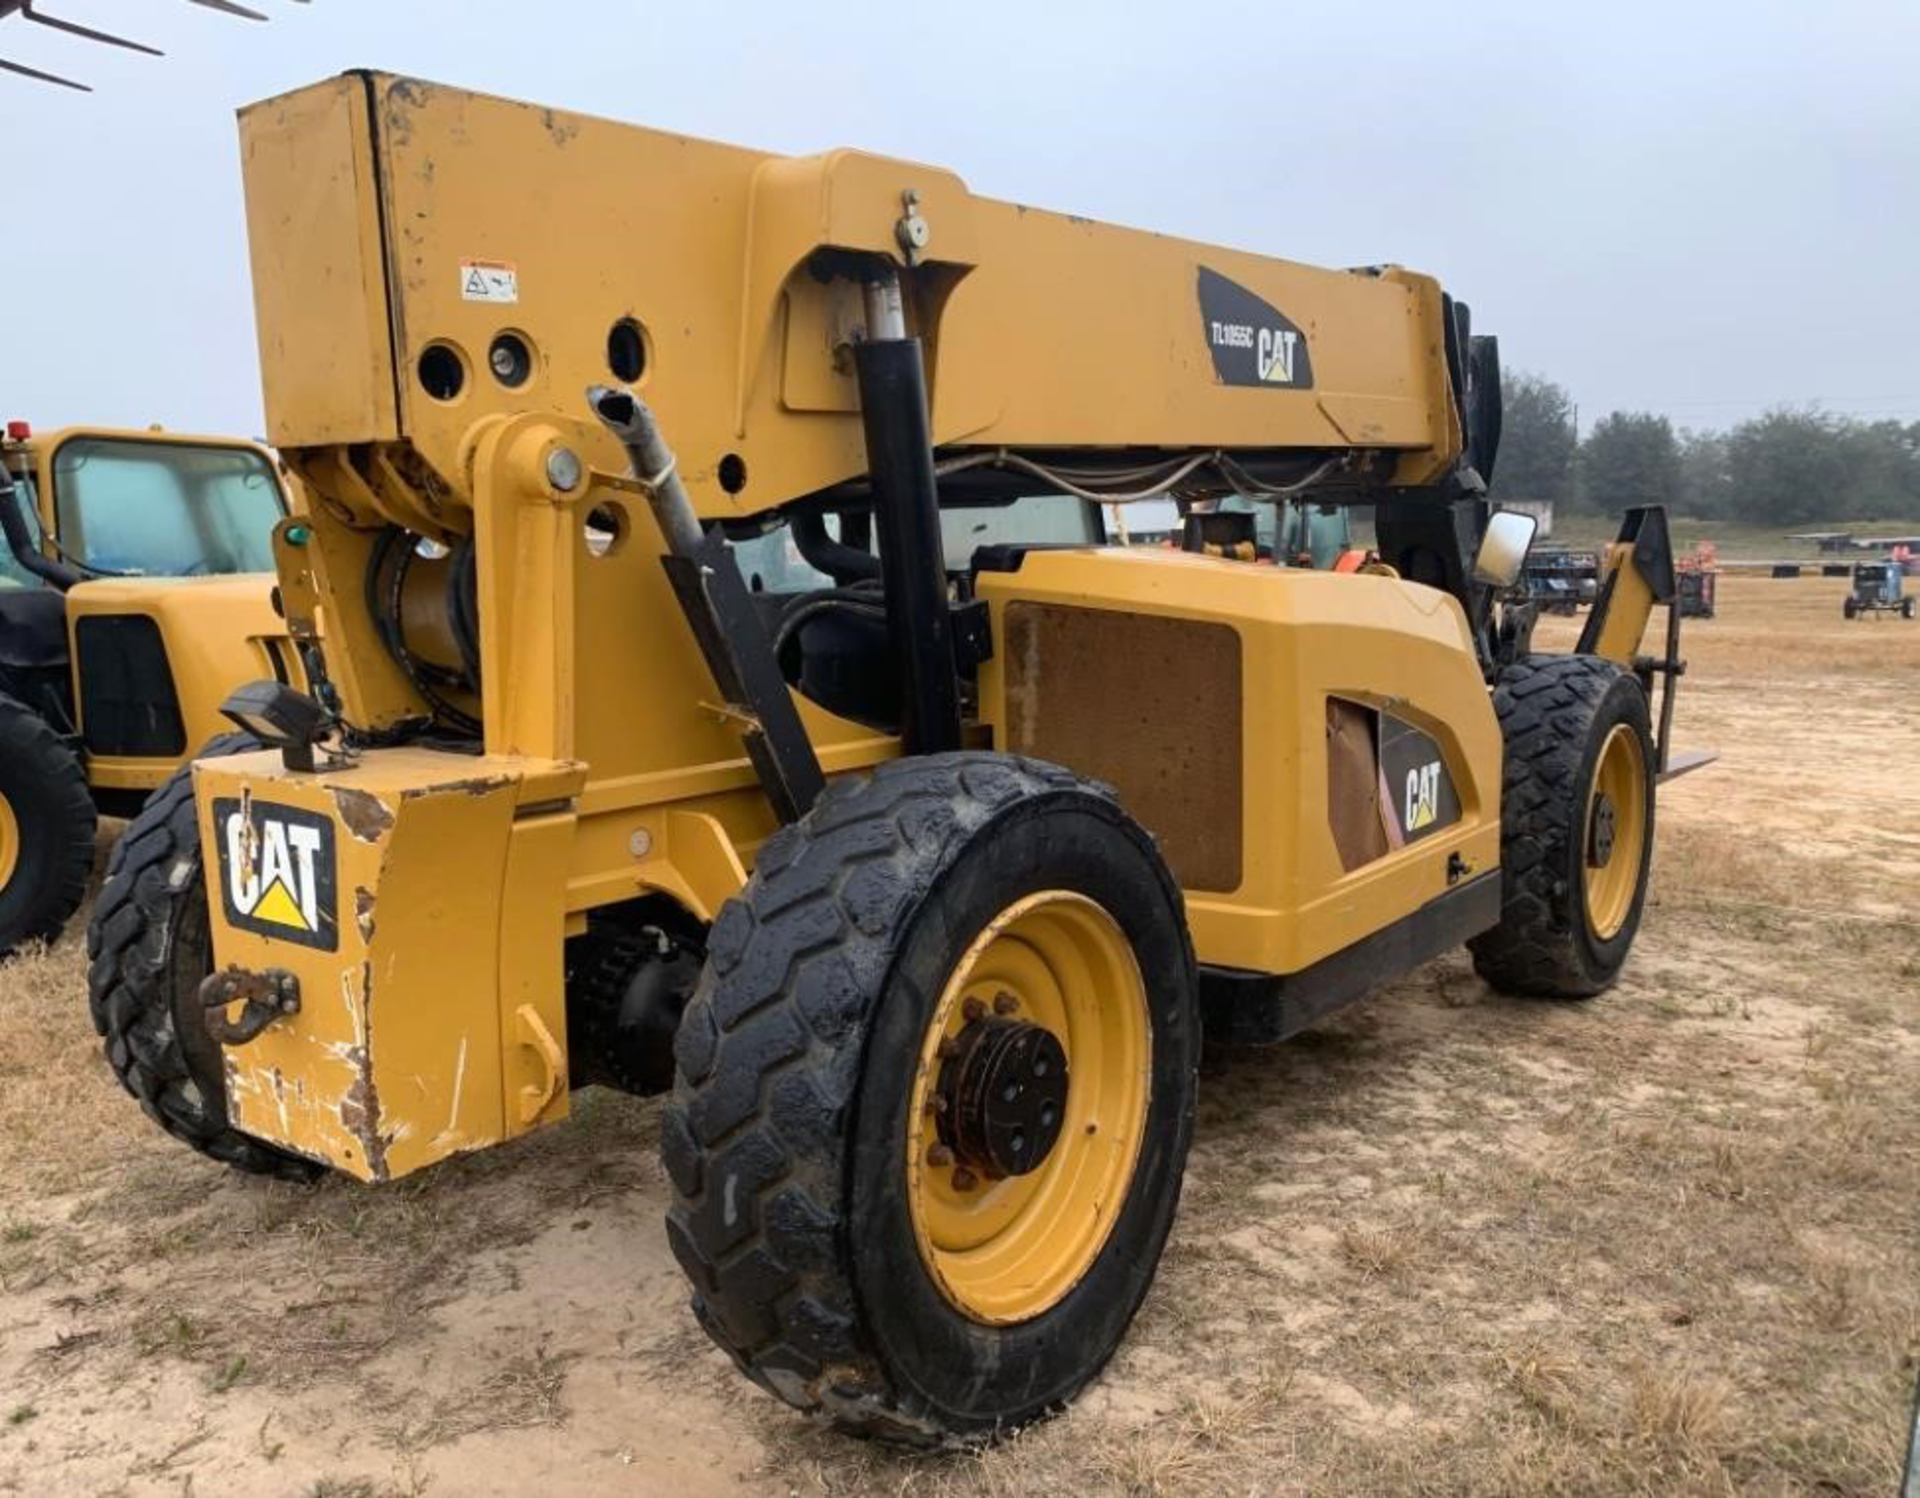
(1005, 1003)
(948, 1049)
(973, 1009)
(964, 1179)
(940, 1155)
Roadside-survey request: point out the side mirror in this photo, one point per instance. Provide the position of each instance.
(1503, 549)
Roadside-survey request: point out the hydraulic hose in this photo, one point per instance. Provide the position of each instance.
(844, 564)
(20, 543)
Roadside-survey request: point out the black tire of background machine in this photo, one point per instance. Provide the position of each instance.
(45, 787)
(796, 1060)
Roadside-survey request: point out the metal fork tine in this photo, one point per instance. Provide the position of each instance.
(25, 10)
(230, 8)
(26, 72)
(74, 29)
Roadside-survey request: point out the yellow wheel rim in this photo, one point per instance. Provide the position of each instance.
(9, 842)
(1004, 1250)
(1616, 832)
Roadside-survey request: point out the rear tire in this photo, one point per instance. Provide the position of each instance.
(801, 1189)
(151, 948)
(1849, 608)
(47, 828)
(1566, 925)
(1906, 608)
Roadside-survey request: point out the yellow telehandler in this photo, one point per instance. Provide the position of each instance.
(721, 692)
(135, 594)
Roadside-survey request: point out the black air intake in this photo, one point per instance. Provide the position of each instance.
(128, 705)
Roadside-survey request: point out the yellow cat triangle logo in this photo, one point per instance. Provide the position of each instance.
(279, 907)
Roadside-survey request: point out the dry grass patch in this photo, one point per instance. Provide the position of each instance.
(1445, 1243)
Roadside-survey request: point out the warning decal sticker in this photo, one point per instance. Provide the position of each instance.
(277, 873)
(489, 281)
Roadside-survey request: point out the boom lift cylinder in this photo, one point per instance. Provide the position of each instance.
(893, 409)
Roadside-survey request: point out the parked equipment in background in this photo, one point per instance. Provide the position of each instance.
(1297, 533)
(1879, 587)
(1699, 576)
(919, 869)
(1561, 579)
(135, 595)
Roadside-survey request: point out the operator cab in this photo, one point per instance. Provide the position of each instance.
(818, 586)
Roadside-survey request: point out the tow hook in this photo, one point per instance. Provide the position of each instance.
(272, 995)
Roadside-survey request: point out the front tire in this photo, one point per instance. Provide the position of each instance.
(950, 912)
(1576, 826)
(47, 828)
(150, 948)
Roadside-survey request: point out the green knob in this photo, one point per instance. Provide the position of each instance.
(299, 535)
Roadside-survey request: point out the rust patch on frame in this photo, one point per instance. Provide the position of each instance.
(360, 1107)
(364, 814)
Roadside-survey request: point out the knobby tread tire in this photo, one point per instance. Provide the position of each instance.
(770, 1062)
(1548, 706)
(46, 786)
(148, 936)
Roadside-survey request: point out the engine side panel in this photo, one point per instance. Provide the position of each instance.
(1381, 647)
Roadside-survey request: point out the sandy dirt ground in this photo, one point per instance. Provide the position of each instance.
(1663, 1242)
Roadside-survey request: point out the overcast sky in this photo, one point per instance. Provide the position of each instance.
(1696, 208)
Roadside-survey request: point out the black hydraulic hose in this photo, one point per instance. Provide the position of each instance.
(463, 609)
(844, 564)
(20, 543)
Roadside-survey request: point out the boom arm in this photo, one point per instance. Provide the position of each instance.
(431, 266)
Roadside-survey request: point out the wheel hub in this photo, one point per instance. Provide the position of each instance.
(1002, 1096)
(9, 842)
(1601, 830)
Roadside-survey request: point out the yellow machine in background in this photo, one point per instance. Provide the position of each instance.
(135, 593)
(714, 697)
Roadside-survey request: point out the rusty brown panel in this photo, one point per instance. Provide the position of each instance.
(1353, 784)
(1152, 706)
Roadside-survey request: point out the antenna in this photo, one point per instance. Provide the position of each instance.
(28, 10)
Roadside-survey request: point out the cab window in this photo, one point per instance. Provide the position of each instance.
(161, 509)
(773, 564)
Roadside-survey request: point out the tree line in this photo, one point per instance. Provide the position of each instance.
(1790, 466)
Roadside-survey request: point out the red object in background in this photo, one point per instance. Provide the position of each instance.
(18, 431)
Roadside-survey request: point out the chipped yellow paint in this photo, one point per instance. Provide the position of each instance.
(395, 1059)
